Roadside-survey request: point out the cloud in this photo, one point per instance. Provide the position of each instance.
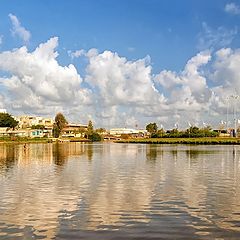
(215, 38)
(38, 83)
(232, 8)
(119, 81)
(117, 92)
(77, 53)
(186, 91)
(18, 29)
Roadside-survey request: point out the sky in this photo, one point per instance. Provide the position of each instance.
(122, 63)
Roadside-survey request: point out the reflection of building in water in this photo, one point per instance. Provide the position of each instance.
(118, 187)
(7, 156)
(125, 194)
(38, 194)
(63, 151)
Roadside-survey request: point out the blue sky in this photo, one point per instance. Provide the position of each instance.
(166, 34)
(166, 30)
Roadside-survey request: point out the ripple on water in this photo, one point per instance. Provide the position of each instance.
(119, 191)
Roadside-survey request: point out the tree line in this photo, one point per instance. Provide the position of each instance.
(192, 131)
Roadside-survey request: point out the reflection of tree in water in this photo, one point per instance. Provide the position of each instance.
(174, 153)
(193, 154)
(7, 156)
(152, 152)
(60, 153)
(90, 152)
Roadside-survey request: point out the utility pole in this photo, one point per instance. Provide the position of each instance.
(227, 112)
(234, 97)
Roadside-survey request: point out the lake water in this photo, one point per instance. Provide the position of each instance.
(119, 191)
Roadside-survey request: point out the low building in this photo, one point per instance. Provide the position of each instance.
(4, 131)
(32, 133)
(128, 131)
(74, 130)
(29, 121)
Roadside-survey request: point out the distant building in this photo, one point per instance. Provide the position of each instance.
(29, 121)
(128, 131)
(74, 130)
(119, 131)
(32, 133)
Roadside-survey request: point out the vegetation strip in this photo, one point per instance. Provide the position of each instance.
(217, 140)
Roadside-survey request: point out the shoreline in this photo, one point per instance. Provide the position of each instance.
(39, 140)
(194, 141)
(197, 141)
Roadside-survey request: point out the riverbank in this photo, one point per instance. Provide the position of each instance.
(21, 140)
(25, 140)
(214, 140)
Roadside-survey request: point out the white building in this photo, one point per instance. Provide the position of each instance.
(28, 121)
(120, 131)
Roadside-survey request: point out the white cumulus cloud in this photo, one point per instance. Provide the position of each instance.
(117, 92)
(119, 81)
(18, 29)
(38, 83)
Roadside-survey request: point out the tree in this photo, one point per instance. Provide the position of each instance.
(90, 128)
(6, 120)
(91, 134)
(152, 128)
(100, 130)
(38, 126)
(60, 123)
(95, 137)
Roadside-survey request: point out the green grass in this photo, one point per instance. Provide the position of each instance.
(24, 140)
(210, 140)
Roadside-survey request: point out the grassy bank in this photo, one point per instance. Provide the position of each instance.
(210, 140)
(40, 140)
(24, 140)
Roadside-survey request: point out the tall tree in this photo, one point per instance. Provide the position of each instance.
(152, 128)
(60, 123)
(6, 120)
(90, 128)
(91, 134)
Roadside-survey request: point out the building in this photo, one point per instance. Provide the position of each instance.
(32, 133)
(128, 131)
(29, 121)
(74, 130)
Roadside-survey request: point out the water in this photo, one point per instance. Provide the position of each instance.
(119, 191)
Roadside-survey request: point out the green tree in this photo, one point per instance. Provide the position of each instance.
(38, 126)
(60, 123)
(90, 128)
(95, 137)
(152, 128)
(100, 130)
(6, 120)
(91, 134)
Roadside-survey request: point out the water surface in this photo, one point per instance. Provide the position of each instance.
(119, 191)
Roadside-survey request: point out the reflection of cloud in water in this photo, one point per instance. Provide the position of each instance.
(118, 185)
(36, 195)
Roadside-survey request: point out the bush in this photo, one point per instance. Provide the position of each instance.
(95, 137)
